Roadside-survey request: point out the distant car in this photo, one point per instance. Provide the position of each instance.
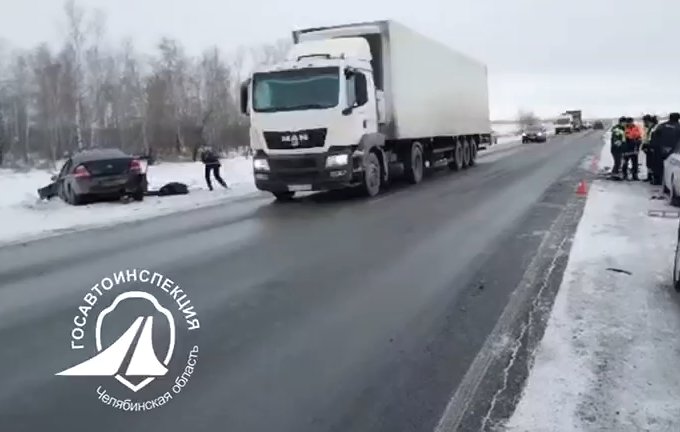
(598, 125)
(98, 174)
(534, 134)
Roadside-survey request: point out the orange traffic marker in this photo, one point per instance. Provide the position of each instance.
(582, 189)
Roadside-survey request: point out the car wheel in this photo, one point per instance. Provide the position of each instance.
(138, 195)
(284, 196)
(72, 197)
(673, 198)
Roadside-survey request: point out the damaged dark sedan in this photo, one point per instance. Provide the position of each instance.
(98, 174)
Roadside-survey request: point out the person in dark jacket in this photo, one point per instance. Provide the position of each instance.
(650, 122)
(618, 137)
(212, 166)
(664, 141)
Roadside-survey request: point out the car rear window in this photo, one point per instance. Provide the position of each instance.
(107, 166)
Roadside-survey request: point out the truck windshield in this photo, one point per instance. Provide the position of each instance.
(563, 121)
(300, 89)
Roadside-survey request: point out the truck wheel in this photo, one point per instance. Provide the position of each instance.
(457, 163)
(372, 175)
(466, 154)
(415, 164)
(284, 196)
(473, 153)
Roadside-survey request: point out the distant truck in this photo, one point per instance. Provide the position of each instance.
(564, 124)
(576, 119)
(354, 105)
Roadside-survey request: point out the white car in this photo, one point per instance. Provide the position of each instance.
(671, 178)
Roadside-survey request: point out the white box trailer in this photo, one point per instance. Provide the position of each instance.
(388, 100)
(429, 88)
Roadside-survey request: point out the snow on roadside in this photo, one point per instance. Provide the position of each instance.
(23, 216)
(608, 359)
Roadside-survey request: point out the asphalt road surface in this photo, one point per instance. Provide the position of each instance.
(330, 313)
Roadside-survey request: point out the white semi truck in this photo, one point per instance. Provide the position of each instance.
(356, 105)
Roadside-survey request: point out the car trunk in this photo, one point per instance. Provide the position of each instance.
(108, 167)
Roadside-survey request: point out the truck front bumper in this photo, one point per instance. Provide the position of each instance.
(306, 172)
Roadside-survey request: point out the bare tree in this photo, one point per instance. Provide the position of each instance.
(89, 93)
(75, 20)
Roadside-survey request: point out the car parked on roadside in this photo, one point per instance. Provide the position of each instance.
(535, 133)
(98, 174)
(676, 262)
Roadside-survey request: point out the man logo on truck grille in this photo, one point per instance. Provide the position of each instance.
(135, 337)
(295, 139)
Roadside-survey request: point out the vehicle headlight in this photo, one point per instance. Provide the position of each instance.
(260, 165)
(337, 160)
(540, 133)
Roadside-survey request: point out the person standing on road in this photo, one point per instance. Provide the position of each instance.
(664, 141)
(212, 167)
(618, 136)
(631, 149)
(650, 123)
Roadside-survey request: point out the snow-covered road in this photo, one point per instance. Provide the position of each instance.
(609, 358)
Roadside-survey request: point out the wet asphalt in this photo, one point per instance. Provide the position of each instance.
(330, 313)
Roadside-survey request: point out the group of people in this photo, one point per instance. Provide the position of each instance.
(656, 140)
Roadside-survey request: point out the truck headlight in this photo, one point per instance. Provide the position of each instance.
(260, 165)
(337, 160)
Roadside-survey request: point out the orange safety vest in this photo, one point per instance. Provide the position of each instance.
(633, 133)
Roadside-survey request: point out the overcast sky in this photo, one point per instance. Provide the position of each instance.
(607, 57)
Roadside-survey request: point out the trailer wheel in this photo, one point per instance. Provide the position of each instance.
(473, 153)
(372, 176)
(457, 163)
(415, 164)
(466, 154)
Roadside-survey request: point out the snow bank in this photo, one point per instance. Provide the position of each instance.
(608, 359)
(23, 216)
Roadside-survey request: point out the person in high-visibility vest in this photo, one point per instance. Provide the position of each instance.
(618, 137)
(631, 149)
(650, 123)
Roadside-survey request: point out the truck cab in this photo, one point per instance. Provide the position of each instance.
(309, 114)
(564, 124)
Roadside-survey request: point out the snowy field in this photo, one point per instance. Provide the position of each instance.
(24, 217)
(609, 358)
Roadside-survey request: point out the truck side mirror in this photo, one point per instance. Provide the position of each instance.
(244, 97)
(360, 89)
